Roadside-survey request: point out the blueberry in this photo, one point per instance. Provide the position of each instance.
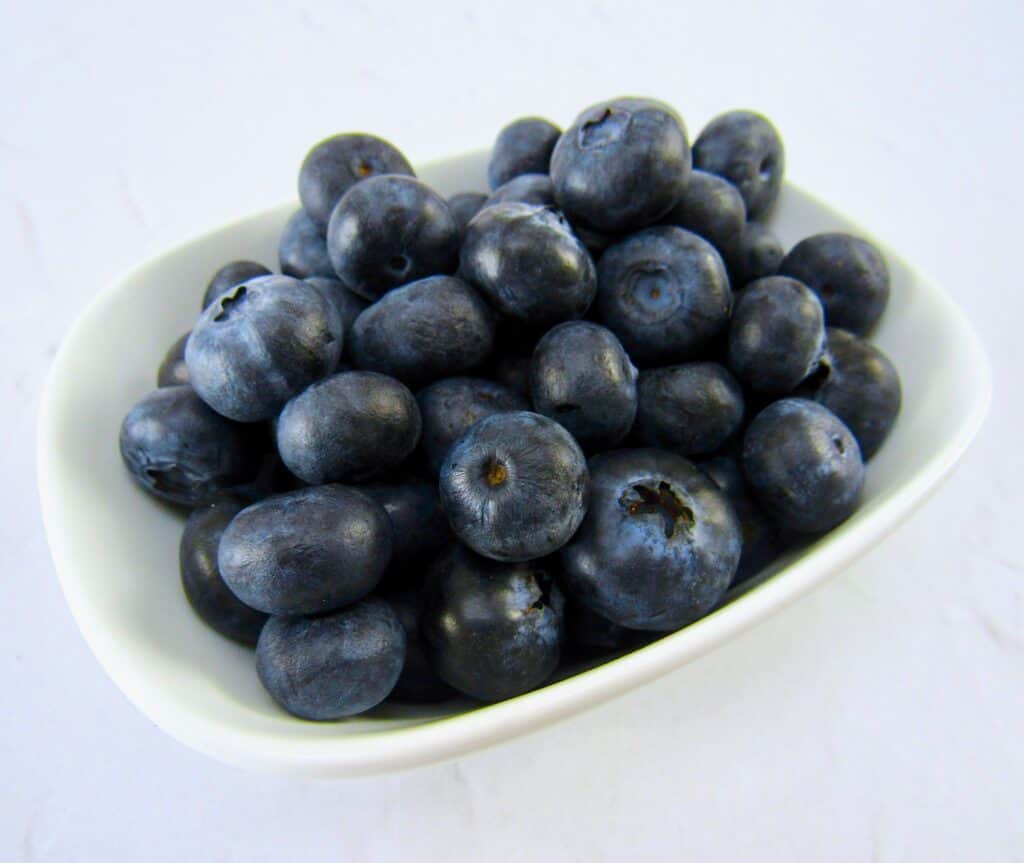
(515, 486)
(260, 344)
(180, 450)
(803, 465)
(595, 242)
(711, 207)
(418, 683)
(588, 634)
(746, 149)
(302, 249)
(665, 293)
(514, 372)
(622, 165)
(430, 329)
(450, 407)
(523, 147)
(847, 273)
(307, 551)
(756, 254)
(659, 545)
(338, 163)
(492, 630)
(860, 385)
(526, 189)
(173, 372)
(777, 334)
(349, 306)
(349, 427)
(231, 275)
(206, 591)
(332, 666)
(463, 207)
(692, 408)
(528, 264)
(582, 378)
(388, 231)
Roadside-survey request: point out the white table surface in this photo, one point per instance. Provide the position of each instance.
(878, 719)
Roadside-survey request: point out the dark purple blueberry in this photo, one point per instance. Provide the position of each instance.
(526, 189)
(514, 372)
(756, 254)
(231, 275)
(302, 249)
(523, 147)
(173, 372)
(420, 528)
(587, 634)
(711, 207)
(418, 683)
(463, 206)
(348, 305)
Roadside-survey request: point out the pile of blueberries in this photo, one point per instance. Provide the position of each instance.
(457, 441)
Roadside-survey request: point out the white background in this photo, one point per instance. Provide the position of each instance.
(879, 719)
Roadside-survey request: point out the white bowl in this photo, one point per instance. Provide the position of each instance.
(116, 549)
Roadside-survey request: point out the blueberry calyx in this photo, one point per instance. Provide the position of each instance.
(660, 499)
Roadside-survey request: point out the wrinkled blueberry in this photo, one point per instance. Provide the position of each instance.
(173, 372)
(418, 683)
(622, 165)
(847, 273)
(803, 465)
(746, 149)
(388, 231)
(335, 665)
(523, 147)
(659, 545)
(492, 630)
(430, 329)
(515, 486)
(231, 275)
(526, 189)
(756, 254)
(463, 207)
(711, 207)
(665, 293)
(582, 378)
(307, 551)
(349, 427)
(260, 344)
(420, 528)
(349, 306)
(302, 249)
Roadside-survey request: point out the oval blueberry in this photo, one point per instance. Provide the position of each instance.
(418, 683)
(349, 306)
(526, 189)
(302, 249)
(523, 147)
(712, 208)
(756, 254)
(463, 206)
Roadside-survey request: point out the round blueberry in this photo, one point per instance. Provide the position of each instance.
(588, 634)
(260, 344)
(746, 149)
(523, 147)
(173, 372)
(349, 306)
(528, 264)
(777, 334)
(206, 591)
(307, 551)
(302, 249)
(418, 683)
(514, 372)
(492, 630)
(463, 206)
(622, 165)
(659, 545)
(388, 231)
(756, 254)
(847, 273)
(665, 293)
(526, 189)
(180, 450)
(338, 163)
(711, 207)
(595, 242)
(450, 407)
(803, 465)
(349, 427)
(515, 486)
(692, 408)
(230, 276)
(582, 378)
(332, 666)
(430, 329)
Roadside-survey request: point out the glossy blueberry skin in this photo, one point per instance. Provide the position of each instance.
(349, 306)
(430, 329)
(230, 276)
(745, 148)
(588, 634)
(526, 189)
(450, 407)
(336, 665)
(306, 551)
(260, 344)
(338, 163)
(848, 274)
(420, 528)
(349, 427)
(665, 293)
(492, 630)
(206, 591)
(524, 146)
(777, 334)
(756, 253)
(712, 208)
(418, 683)
(173, 372)
(622, 165)
(659, 545)
(803, 465)
(302, 249)
(388, 231)
(861, 386)
(528, 264)
(514, 486)
(581, 377)
(463, 206)
(180, 450)
(692, 408)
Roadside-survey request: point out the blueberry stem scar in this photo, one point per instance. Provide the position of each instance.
(663, 501)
